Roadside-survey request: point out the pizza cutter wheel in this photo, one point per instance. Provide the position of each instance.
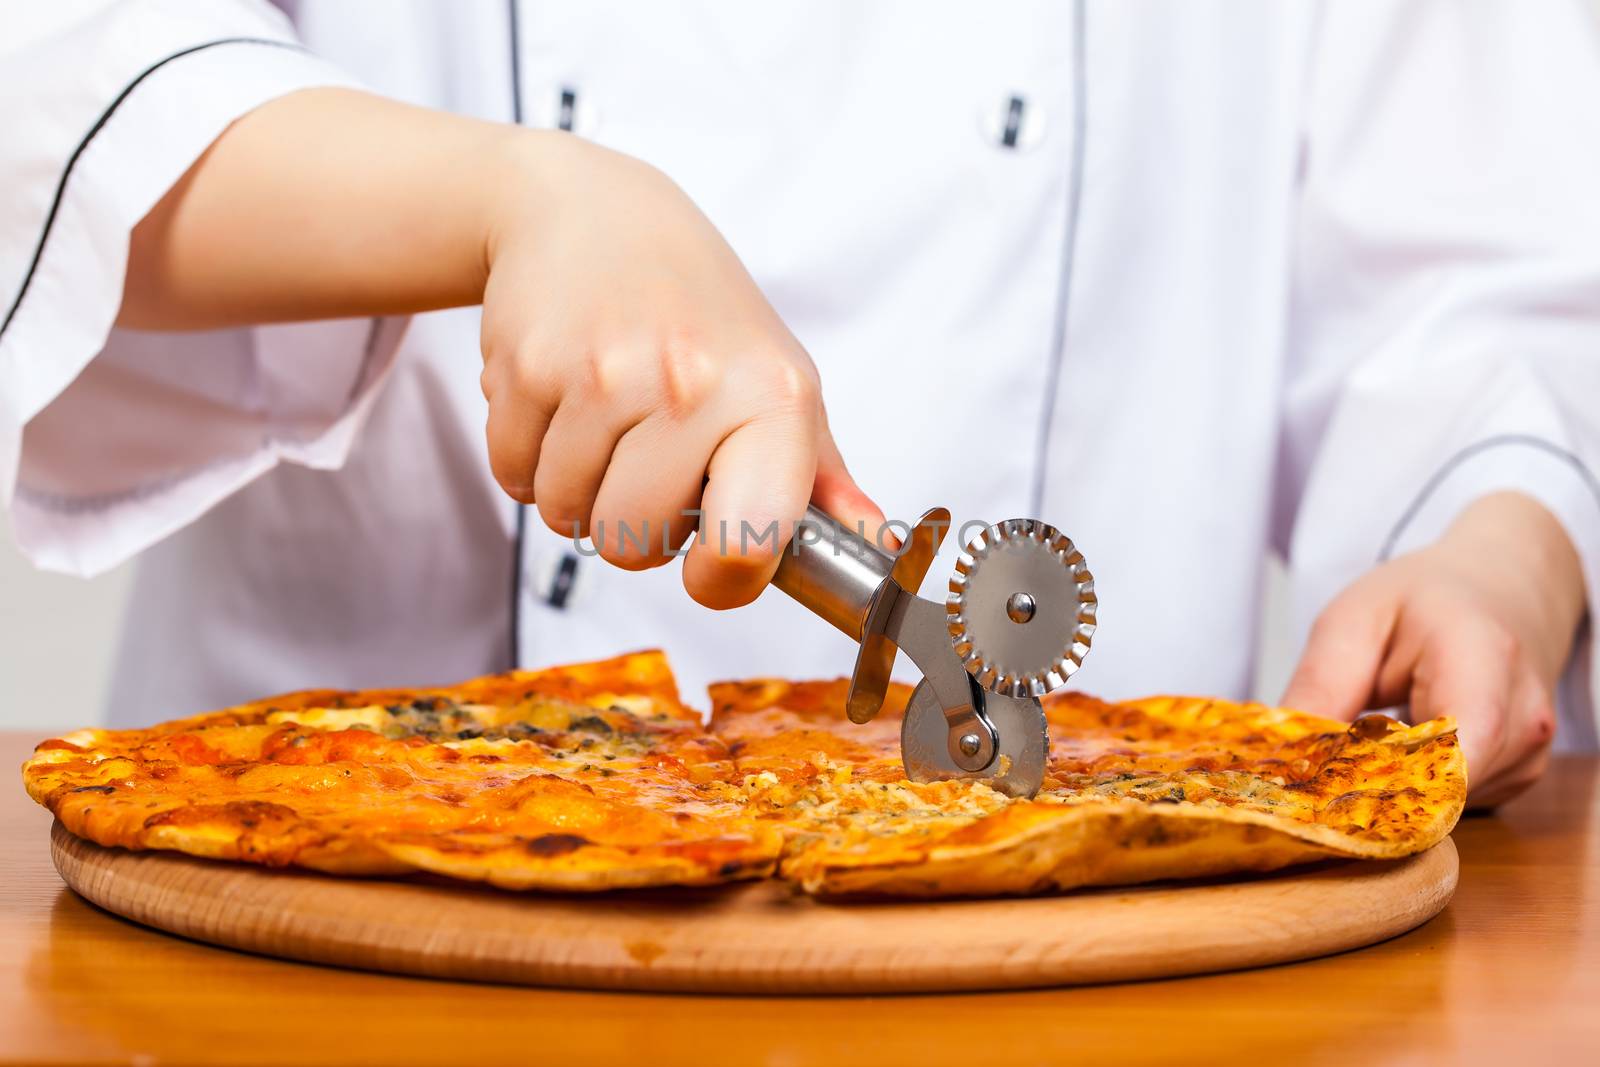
(964, 720)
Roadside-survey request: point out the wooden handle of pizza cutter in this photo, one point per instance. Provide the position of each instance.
(833, 571)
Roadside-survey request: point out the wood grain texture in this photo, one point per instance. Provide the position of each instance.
(761, 937)
(1508, 973)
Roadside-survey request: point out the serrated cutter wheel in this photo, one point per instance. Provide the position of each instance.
(1021, 609)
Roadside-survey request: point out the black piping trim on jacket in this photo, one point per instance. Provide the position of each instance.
(522, 509)
(99, 124)
(1571, 459)
(1058, 340)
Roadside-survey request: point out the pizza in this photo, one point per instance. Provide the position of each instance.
(597, 777)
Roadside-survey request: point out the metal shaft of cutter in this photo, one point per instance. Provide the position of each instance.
(870, 596)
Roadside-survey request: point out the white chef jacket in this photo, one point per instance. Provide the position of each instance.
(1194, 281)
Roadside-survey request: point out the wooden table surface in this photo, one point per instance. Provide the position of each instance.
(1509, 973)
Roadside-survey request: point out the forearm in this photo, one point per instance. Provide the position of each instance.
(330, 203)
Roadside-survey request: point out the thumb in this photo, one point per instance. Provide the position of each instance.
(837, 493)
(1339, 666)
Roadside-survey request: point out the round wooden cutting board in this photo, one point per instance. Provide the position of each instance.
(760, 937)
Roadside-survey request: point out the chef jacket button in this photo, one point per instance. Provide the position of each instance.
(558, 579)
(1013, 122)
(562, 106)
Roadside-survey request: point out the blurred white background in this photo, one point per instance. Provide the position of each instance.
(57, 636)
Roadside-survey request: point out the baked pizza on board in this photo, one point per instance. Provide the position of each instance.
(596, 776)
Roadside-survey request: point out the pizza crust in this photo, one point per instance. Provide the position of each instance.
(1037, 849)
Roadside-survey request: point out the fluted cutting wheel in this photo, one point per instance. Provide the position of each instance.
(1021, 608)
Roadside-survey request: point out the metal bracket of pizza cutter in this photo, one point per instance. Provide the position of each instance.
(950, 729)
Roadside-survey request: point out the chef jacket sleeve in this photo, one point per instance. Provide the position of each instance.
(111, 439)
(1444, 329)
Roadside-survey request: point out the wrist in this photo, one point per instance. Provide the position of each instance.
(519, 182)
(539, 181)
(531, 179)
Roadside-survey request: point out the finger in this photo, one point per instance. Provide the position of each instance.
(1339, 666)
(646, 506)
(1465, 671)
(837, 494)
(1508, 784)
(1526, 752)
(573, 459)
(514, 432)
(760, 481)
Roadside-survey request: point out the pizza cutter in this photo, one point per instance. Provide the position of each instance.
(1017, 623)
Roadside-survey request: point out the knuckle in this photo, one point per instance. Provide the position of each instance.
(689, 375)
(607, 372)
(519, 371)
(794, 385)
